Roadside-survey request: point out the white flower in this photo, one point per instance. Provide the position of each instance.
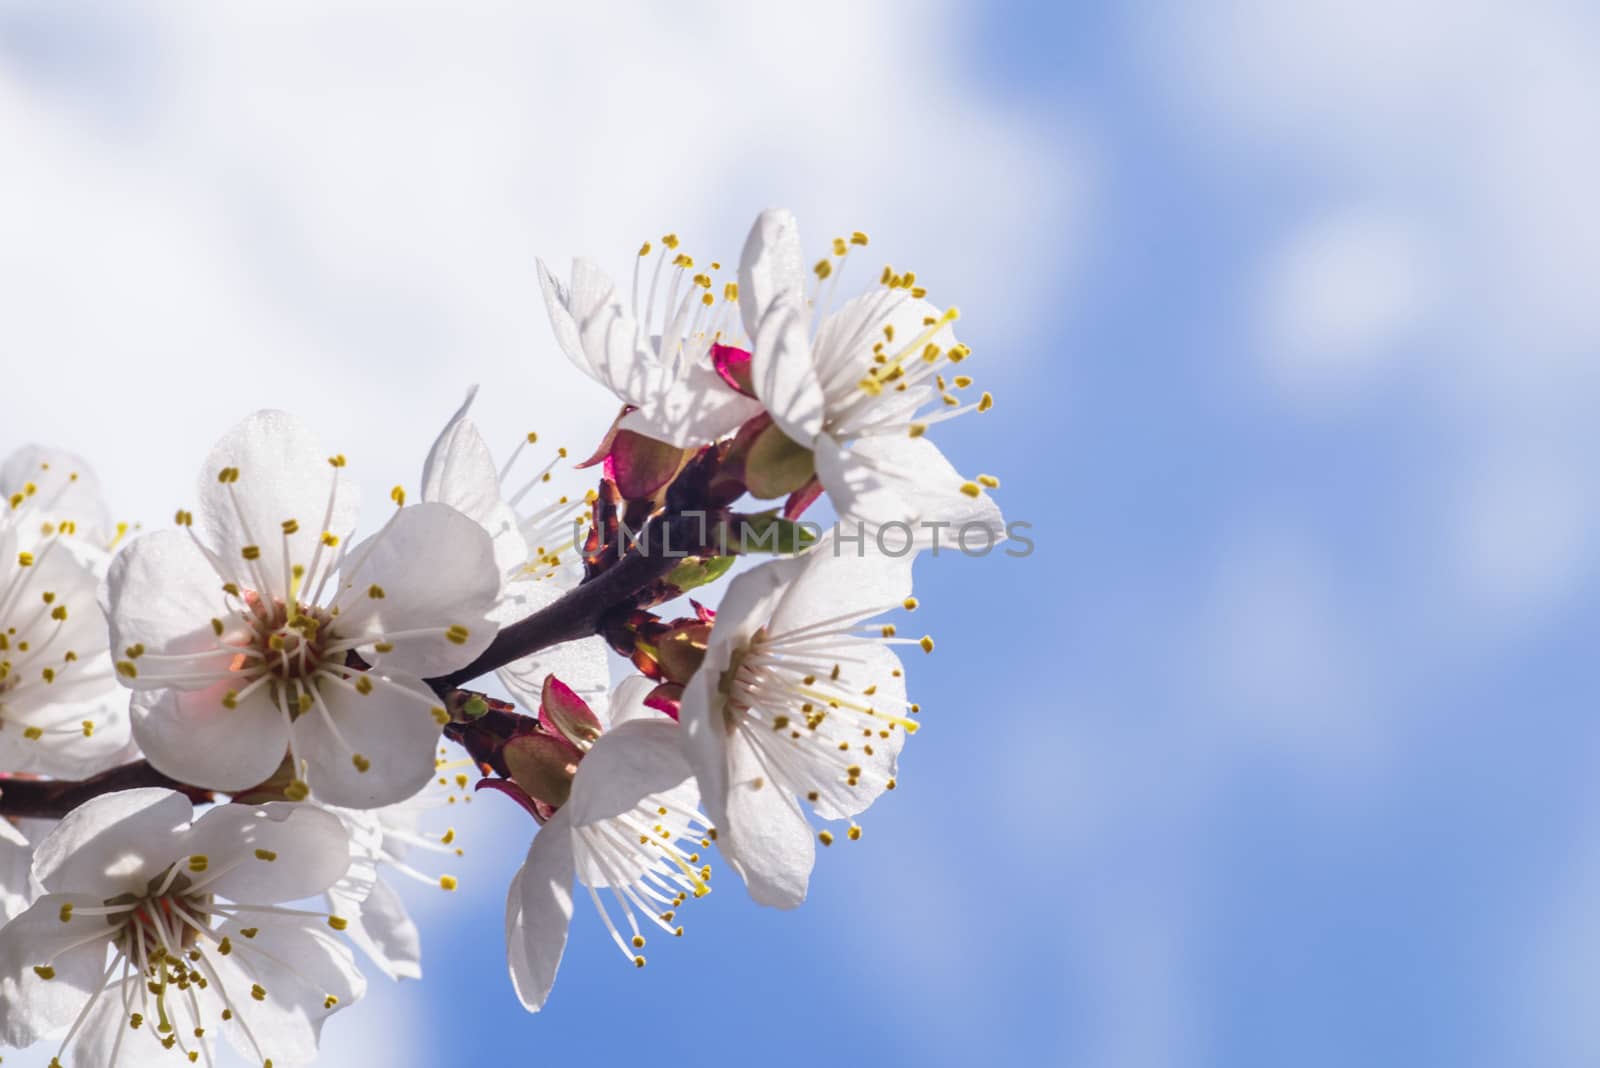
(156, 930)
(661, 368)
(61, 711)
(534, 530)
(383, 840)
(796, 698)
(238, 640)
(855, 389)
(630, 828)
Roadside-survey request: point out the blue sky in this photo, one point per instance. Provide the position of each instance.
(1278, 749)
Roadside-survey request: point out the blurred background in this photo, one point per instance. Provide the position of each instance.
(1280, 747)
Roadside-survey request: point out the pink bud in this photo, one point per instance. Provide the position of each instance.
(564, 714)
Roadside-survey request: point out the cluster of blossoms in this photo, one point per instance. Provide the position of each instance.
(300, 675)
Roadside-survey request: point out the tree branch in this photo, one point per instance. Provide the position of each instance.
(663, 544)
(54, 798)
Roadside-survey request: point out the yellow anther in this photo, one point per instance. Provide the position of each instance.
(266, 854)
(66, 912)
(336, 460)
(251, 552)
(447, 882)
(644, 249)
(291, 526)
(854, 832)
(24, 559)
(825, 837)
(363, 685)
(199, 862)
(440, 716)
(927, 647)
(398, 495)
(670, 240)
(330, 539)
(457, 634)
(858, 238)
(298, 790)
(375, 591)
(362, 763)
(338, 923)
(44, 971)
(989, 481)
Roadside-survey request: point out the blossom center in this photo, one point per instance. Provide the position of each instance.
(291, 641)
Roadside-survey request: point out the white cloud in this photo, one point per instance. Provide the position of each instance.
(209, 208)
(317, 211)
(1475, 131)
(1341, 296)
(1521, 531)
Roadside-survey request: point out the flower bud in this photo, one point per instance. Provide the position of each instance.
(733, 366)
(640, 466)
(564, 714)
(680, 650)
(777, 465)
(543, 766)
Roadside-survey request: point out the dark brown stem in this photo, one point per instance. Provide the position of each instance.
(52, 799)
(664, 543)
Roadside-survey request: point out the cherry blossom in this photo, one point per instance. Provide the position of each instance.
(266, 628)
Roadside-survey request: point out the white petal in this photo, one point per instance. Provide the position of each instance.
(192, 737)
(113, 844)
(460, 471)
(694, 410)
(746, 607)
(16, 864)
(844, 343)
(625, 765)
(107, 1023)
(627, 702)
(539, 913)
(765, 838)
(782, 373)
(384, 931)
(300, 966)
(394, 730)
(283, 474)
(905, 481)
(269, 853)
(435, 569)
(601, 336)
(30, 1006)
(63, 750)
(65, 488)
(772, 263)
(839, 578)
(163, 594)
(704, 738)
